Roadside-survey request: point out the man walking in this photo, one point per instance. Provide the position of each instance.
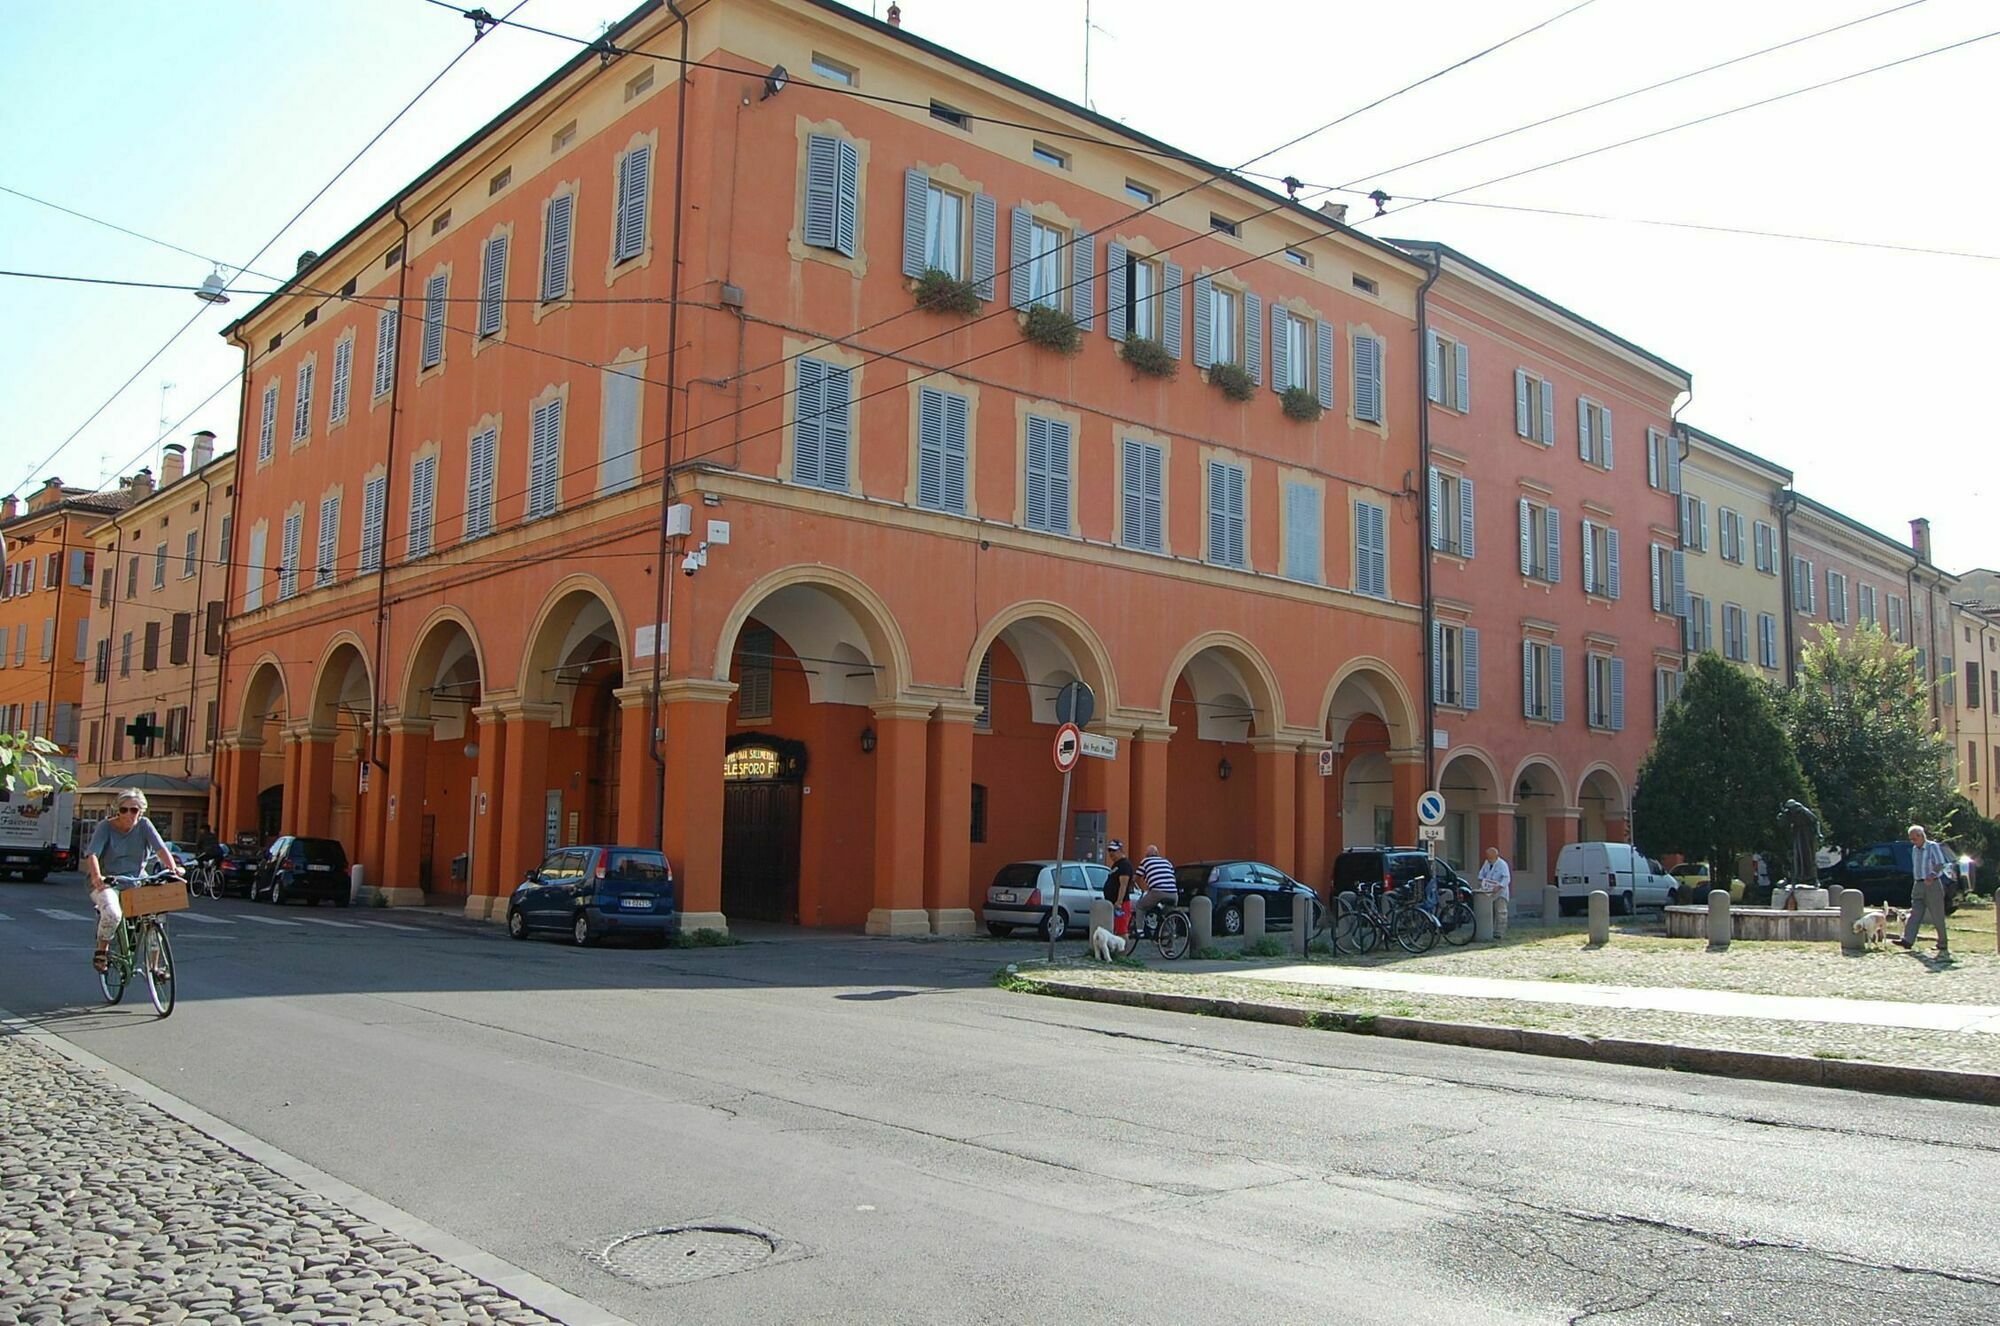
(1929, 868)
(1496, 879)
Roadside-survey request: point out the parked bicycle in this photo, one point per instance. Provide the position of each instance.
(1168, 928)
(1378, 916)
(1454, 913)
(139, 946)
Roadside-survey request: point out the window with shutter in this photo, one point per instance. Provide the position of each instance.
(618, 428)
(1371, 550)
(423, 506)
(435, 292)
(820, 428)
(160, 566)
(479, 483)
(327, 569)
(1767, 640)
(82, 639)
(1368, 401)
(982, 691)
(267, 428)
(343, 369)
(545, 428)
(493, 286)
(628, 238)
(302, 402)
(178, 635)
(1048, 475)
(1303, 525)
(1142, 476)
(832, 194)
(374, 516)
(941, 450)
(385, 351)
(1226, 514)
(288, 564)
(558, 220)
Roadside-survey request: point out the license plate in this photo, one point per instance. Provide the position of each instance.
(17, 860)
(1005, 897)
(321, 870)
(636, 904)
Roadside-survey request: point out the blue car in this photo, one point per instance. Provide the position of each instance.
(593, 893)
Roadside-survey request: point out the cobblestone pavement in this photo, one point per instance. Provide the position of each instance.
(1923, 1049)
(114, 1212)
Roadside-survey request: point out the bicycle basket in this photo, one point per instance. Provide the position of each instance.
(153, 899)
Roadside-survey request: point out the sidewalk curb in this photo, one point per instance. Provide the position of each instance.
(1798, 1070)
(523, 1285)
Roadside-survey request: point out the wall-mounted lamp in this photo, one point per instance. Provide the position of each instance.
(867, 741)
(1222, 769)
(774, 82)
(471, 750)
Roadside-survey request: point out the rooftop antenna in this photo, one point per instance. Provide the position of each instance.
(165, 387)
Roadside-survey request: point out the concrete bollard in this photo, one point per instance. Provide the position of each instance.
(1100, 915)
(1302, 924)
(1482, 917)
(357, 885)
(1552, 904)
(1719, 930)
(1201, 922)
(1600, 918)
(1253, 920)
(1851, 904)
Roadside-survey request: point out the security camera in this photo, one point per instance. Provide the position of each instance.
(690, 564)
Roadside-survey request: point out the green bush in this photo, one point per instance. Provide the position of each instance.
(941, 292)
(705, 938)
(1301, 405)
(1233, 380)
(1270, 946)
(1052, 329)
(1149, 357)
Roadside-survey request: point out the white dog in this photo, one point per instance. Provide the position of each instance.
(1872, 925)
(1104, 945)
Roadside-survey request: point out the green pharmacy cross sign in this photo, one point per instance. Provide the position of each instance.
(143, 730)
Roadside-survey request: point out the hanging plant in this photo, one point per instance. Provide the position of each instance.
(941, 292)
(1233, 380)
(1301, 405)
(1052, 329)
(1149, 357)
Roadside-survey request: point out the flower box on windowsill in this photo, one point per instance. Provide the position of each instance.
(1052, 329)
(938, 291)
(1301, 405)
(1232, 380)
(1148, 357)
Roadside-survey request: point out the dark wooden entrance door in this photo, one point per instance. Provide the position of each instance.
(270, 811)
(760, 850)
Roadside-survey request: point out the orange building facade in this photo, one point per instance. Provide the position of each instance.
(45, 599)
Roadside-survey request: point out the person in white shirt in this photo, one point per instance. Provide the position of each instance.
(1495, 878)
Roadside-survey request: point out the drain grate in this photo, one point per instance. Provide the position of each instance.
(680, 1254)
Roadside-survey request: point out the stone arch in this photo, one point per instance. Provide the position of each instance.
(1045, 636)
(1601, 804)
(1617, 783)
(334, 679)
(823, 612)
(1220, 665)
(1367, 685)
(1553, 775)
(577, 610)
(265, 692)
(1478, 756)
(434, 655)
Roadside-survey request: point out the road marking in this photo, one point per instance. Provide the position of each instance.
(58, 914)
(344, 925)
(5, 917)
(391, 925)
(199, 919)
(269, 920)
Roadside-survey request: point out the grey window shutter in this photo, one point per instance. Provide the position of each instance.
(423, 506)
(1020, 283)
(1706, 633)
(1462, 369)
(1465, 517)
(555, 246)
(1673, 465)
(1468, 654)
(1523, 409)
(1589, 559)
(1325, 365)
(1528, 678)
(1303, 527)
(809, 429)
(343, 367)
(1281, 365)
(1204, 331)
(1590, 696)
(847, 197)
(1083, 280)
(479, 485)
(1058, 469)
(1548, 413)
(1170, 318)
(1218, 511)
(1583, 428)
(985, 242)
(1253, 336)
(1555, 536)
(632, 196)
(434, 299)
(1156, 534)
(1527, 539)
(1680, 583)
(1653, 457)
(822, 190)
(1437, 662)
(1653, 554)
(930, 447)
(1604, 442)
(1555, 683)
(955, 424)
(493, 286)
(385, 350)
(1115, 315)
(836, 430)
(1612, 574)
(916, 212)
(1372, 347)
(1037, 482)
(1433, 367)
(1132, 510)
(1437, 508)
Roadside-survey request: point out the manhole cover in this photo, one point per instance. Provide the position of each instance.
(678, 1254)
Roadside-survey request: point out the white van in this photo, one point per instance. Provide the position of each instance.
(1619, 869)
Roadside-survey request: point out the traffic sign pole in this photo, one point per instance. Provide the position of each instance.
(1062, 843)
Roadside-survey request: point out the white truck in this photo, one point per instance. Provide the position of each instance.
(35, 832)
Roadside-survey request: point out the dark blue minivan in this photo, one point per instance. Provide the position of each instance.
(592, 893)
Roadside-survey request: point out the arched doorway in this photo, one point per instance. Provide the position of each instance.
(1543, 822)
(574, 667)
(255, 797)
(1220, 698)
(1474, 817)
(333, 747)
(434, 764)
(1601, 799)
(763, 779)
(1370, 722)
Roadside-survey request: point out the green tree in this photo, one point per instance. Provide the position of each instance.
(1720, 769)
(1860, 720)
(26, 768)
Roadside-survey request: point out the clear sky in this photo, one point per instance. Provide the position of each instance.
(1864, 370)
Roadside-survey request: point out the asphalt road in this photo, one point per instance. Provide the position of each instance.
(929, 1148)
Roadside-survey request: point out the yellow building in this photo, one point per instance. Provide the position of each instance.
(1974, 718)
(1731, 552)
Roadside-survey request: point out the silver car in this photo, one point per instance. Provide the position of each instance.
(1024, 893)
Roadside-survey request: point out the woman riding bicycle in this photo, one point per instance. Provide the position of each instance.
(120, 845)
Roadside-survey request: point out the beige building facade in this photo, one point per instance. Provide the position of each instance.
(1730, 553)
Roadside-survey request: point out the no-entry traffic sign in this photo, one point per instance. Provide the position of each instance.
(1068, 747)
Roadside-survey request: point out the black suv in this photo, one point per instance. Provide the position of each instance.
(1399, 865)
(1882, 873)
(312, 869)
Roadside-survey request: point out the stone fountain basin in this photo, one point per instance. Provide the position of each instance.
(1808, 924)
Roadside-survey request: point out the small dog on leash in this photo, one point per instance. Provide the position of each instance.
(1105, 946)
(1873, 926)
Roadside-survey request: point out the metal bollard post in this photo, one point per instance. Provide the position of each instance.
(1720, 931)
(1201, 921)
(1302, 923)
(1253, 920)
(357, 885)
(1552, 904)
(1482, 916)
(1600, 918)
(1851, 904)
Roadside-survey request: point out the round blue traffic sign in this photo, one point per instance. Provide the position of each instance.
(1430, 808)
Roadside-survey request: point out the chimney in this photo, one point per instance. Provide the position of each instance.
(140, 486)
(1920, 539)
(895, 16)
(203, 451)
(10, 508)
(1334, 212)
(306, 259)
(173, 464)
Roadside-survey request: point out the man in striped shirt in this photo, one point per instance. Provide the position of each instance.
(1157, 874)
(1930, 867)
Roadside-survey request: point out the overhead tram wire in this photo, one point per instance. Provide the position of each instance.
(263, 249)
